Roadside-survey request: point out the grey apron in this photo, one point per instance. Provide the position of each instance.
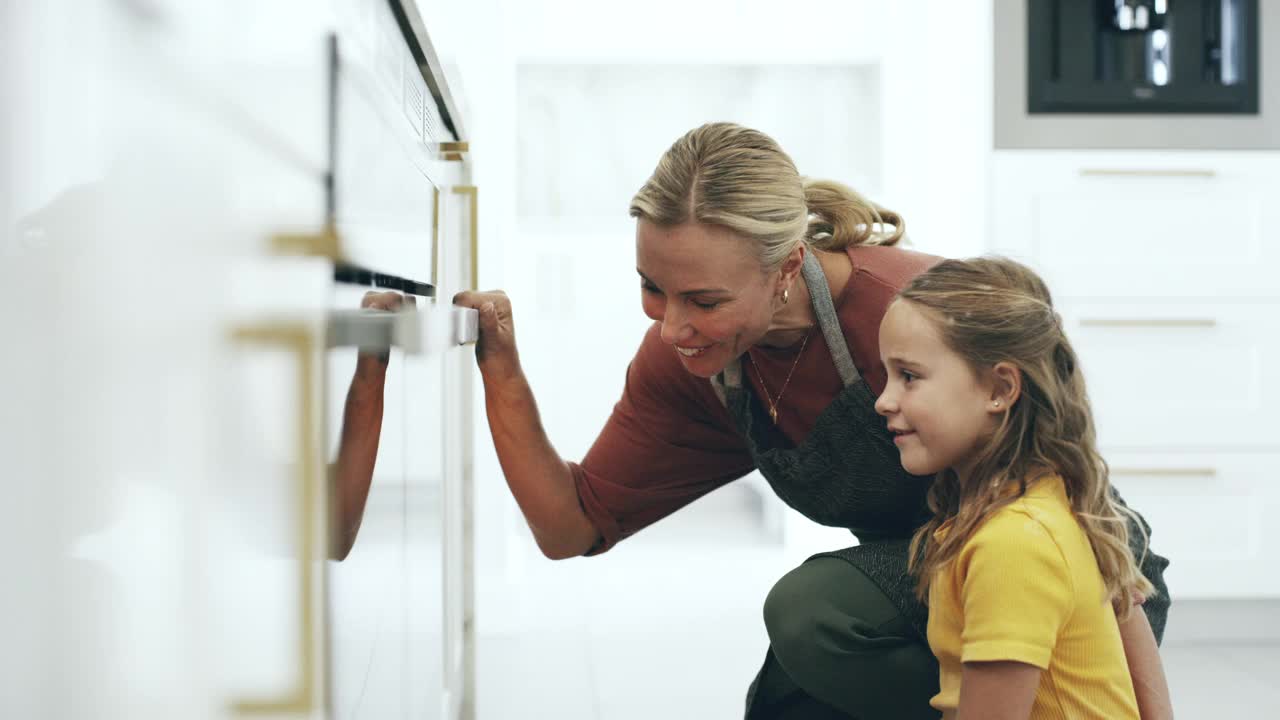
(847, 472)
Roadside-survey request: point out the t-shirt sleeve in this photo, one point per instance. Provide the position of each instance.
(1015, 591)
(668, 442)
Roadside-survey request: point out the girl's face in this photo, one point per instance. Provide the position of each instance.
(704, 284)
(939, 410)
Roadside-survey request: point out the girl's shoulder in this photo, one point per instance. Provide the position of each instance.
(1042, 515)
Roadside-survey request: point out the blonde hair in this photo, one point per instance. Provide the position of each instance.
(738, 178)
(993, 310)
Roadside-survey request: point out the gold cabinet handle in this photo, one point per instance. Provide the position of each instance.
(298, 339)
(1148, 172)
(435, 237)
(1165, 472)
(1149, 322)
(453, 151)
(474, 192)
(325, 243)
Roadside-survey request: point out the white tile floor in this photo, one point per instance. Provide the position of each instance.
(667, 625)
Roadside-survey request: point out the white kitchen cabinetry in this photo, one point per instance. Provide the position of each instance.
(1162, 267)
(169, 285)
(1141, 225)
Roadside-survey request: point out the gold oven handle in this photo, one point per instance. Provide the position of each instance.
(300, 340)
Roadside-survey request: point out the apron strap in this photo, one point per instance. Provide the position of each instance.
(825, 310)
(730, 377)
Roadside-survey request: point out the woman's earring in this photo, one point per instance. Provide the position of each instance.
(785, 295)
(996, 403)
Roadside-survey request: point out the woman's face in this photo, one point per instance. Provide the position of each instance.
(704, 284)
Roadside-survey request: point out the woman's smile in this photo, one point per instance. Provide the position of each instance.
(691, 352)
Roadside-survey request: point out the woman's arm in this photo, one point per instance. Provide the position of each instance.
(1143, 656)
(540, 480)
(1000, 690)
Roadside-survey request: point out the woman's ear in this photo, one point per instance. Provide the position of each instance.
(792, 265)
(1006, 387)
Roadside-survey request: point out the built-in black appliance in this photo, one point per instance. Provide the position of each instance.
(1142, 56)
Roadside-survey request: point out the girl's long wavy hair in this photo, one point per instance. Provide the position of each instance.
(993, 310)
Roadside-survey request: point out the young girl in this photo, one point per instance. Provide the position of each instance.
(1025, 565)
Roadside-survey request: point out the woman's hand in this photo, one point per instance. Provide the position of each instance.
(496, 349)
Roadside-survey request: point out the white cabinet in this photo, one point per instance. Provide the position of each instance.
(1139, 225)
(1179, 374)
(171, 387)
(1211, 515)
(172, 423)
(1161, 265)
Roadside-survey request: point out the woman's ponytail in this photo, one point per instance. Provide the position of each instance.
(839, 218)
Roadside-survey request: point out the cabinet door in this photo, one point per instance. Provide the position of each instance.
(170, 410)
(1179, 375)
(1115, 224)
(1210, 515)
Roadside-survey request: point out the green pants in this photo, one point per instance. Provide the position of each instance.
(840, 649)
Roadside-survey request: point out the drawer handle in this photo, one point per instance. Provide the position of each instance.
(1148, 172)
(1150, 322)
(300, 699)
(1165, 472)
(326, 243)
(454, 151)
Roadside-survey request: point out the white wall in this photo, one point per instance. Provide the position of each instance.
(577, 314)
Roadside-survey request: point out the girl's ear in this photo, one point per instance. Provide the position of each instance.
(1006, 387)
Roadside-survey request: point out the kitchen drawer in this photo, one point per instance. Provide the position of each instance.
(1180, 375)
(1141, 224)
(1210, 516)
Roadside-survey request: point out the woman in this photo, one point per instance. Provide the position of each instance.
(766, 291)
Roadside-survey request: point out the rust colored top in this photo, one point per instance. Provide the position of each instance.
(670, 441)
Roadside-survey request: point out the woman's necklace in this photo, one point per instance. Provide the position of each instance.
(773, 405)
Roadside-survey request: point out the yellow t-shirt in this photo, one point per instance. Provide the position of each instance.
(1026, 588)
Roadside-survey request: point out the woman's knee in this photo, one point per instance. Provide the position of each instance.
(790, 612)
(841, 640)
(827, 607)
(807, 604)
